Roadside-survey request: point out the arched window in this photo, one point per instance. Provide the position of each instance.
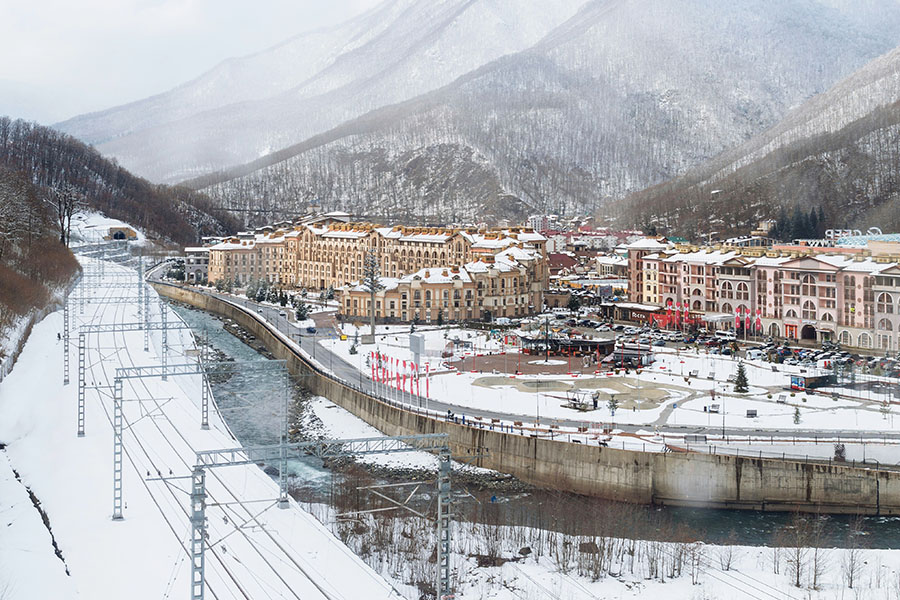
(827, 317)
(809, 311)
(865, 340)
(743, 291)
(727, 290)
(885, 304)
(698, 305)
(845, 338)
(727, 308)
(791, 313)
(774, 331)
(808, 285)
(885, 325)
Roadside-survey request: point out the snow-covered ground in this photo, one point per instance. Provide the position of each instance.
(259, 551)
(679, 388)
(91, 227)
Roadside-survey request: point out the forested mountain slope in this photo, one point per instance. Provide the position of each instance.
(621, 96)
(839, 152)
(50, 160)
(248, 107)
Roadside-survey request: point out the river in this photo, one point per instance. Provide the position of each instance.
(254, 412)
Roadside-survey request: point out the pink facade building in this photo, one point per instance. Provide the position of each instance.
(849, 298)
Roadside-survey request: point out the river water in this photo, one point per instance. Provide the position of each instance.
(253, 408)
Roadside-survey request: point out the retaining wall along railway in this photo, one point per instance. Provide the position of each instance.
(673, 478)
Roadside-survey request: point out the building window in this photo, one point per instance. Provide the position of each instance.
(809, 311)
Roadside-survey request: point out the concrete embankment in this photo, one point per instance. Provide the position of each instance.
(675, 478)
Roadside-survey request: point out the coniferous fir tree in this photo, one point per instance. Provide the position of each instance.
(740, 383)
(372, 284)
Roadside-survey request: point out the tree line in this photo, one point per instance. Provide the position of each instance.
(57, 163)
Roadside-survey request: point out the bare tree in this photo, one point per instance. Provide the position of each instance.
(728, 553)
(11, 214)
(819, 555)
(66, 201)
(696, 554)
(794, 539)
(853, 559)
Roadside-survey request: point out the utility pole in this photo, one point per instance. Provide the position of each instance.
(546, 339)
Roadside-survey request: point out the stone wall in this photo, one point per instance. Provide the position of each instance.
(674, 478)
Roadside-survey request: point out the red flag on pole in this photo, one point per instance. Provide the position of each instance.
(403, 376)
(758, 319)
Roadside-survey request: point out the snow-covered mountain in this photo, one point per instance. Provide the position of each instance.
(248, 107)
(839, 151)
(622, 95)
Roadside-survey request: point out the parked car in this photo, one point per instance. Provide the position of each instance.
(310, 330)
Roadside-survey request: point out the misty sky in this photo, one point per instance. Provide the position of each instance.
(61, 58)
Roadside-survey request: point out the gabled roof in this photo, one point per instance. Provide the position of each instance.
(816, 262)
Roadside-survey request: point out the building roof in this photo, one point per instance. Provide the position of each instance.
(612, 260)
(647, 243)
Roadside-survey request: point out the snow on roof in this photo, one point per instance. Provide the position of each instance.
(387, 283)
(234, 245)
(770, 261)
(615, 260)
(647, 244)
(428, 275)
(714, 257)
(353, 234)
(637, 306)
(518, 254)
(433, 238)
(846, 263)
(437, 275)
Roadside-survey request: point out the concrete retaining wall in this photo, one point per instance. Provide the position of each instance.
(678, 479)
